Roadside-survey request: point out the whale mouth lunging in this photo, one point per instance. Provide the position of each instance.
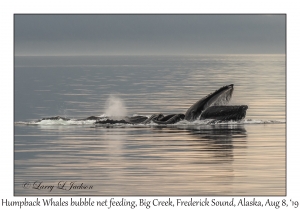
(220, 97)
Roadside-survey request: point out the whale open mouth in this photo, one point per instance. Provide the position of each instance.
(220, 97)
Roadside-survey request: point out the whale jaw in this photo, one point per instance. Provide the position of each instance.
(218, 98)
(225, 113)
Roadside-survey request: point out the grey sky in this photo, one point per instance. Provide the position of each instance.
(148, 34)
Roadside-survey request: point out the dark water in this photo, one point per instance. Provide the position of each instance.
(245, 158)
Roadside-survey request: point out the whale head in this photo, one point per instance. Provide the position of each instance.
(220, 97)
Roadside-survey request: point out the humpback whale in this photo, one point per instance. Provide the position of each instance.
(213, 106)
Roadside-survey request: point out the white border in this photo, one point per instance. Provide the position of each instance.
(8, 8)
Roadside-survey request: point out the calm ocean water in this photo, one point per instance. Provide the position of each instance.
(245, 158)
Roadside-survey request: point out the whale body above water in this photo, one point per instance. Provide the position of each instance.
(213, 106)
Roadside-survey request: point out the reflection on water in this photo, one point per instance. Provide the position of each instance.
(227, 159)
(199, 160)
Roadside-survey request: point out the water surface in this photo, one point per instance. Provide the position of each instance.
(244, 158)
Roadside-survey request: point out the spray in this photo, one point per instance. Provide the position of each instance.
(115, 107)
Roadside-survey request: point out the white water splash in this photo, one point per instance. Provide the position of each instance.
(115, 106)
(181, 123)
